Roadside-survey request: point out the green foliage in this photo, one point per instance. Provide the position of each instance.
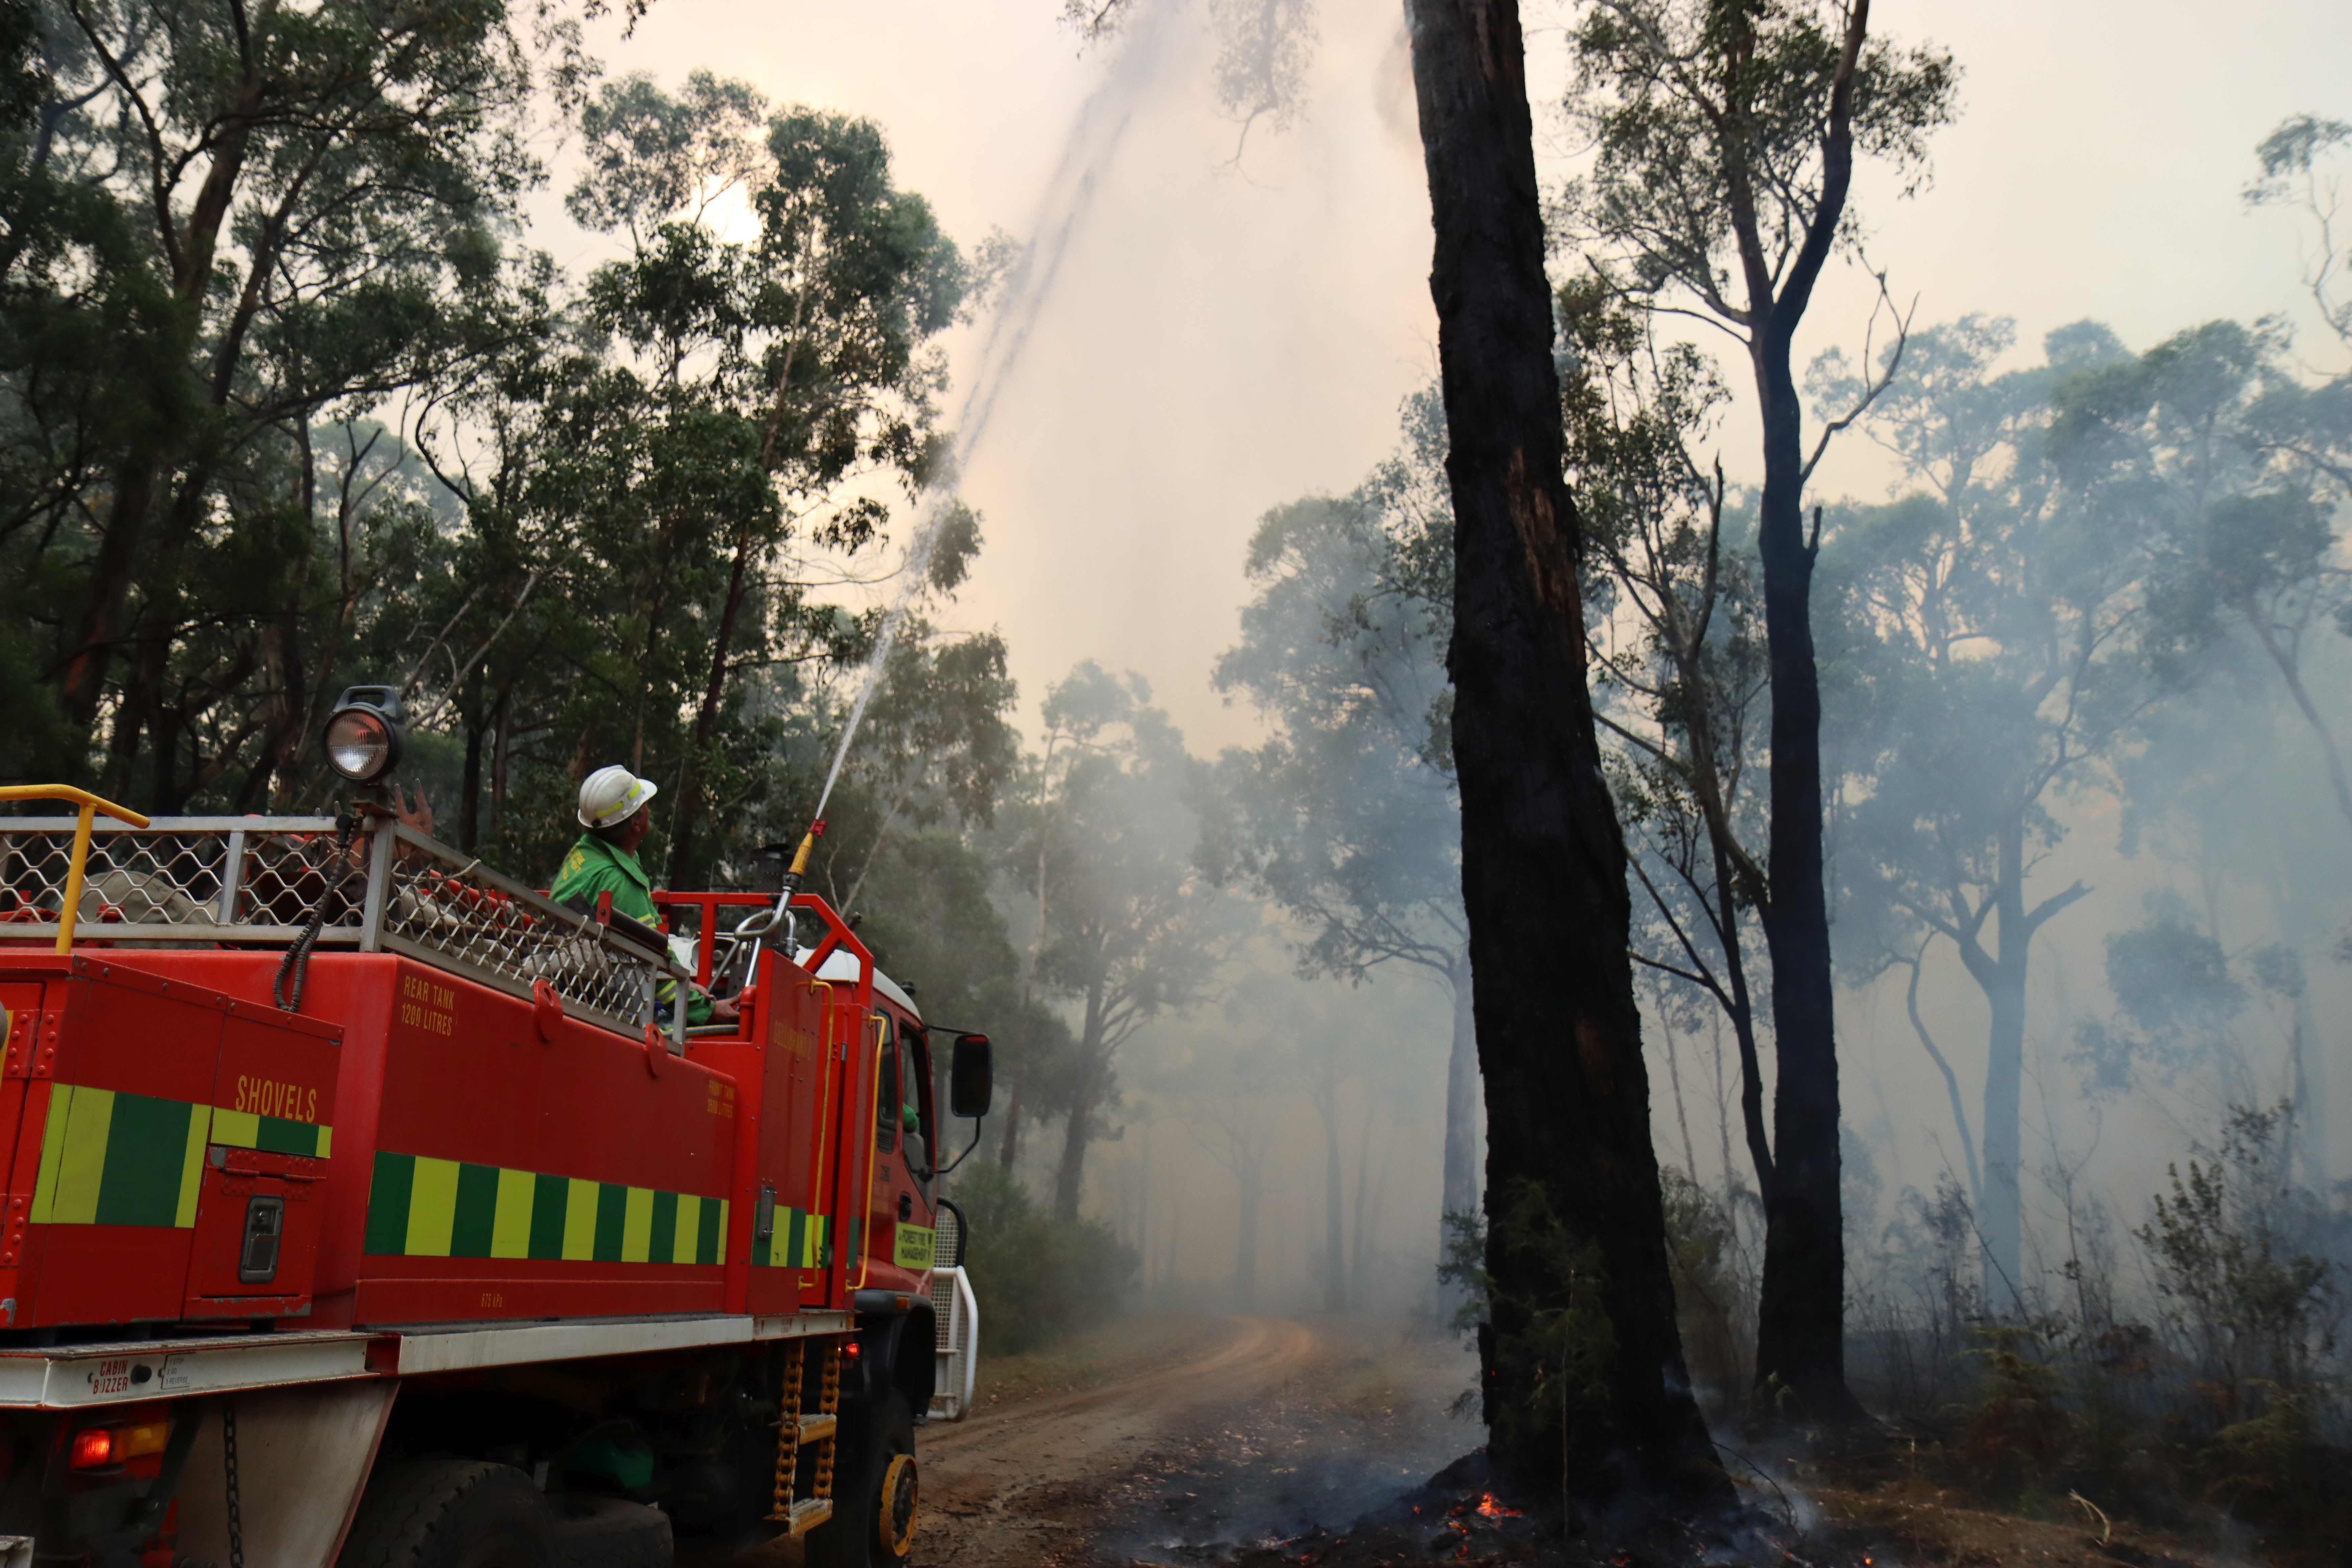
(2018, 1428)
(1709, 1297)
(1037, 1279)
(2252, 1313)
(1547, 1351)
(1702, 110)
(2277, 1470)
(2178, 1000)
(1105, 841)
(1345, 815)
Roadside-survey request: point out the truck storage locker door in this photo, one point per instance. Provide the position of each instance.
(795, 1154)
(122, 1143)
(271, 1143)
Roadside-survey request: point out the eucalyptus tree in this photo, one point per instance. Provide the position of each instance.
(1543, 878)
(937, 747)
(1131, 925)
(2303, 161)
(2244, 470)
(1724, 135)
(2241, 468)
(1990, 614)
(1088, 712)
(810, 342)
(311, 205)
(1346, 814)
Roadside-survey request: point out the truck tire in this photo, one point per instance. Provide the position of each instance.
(610, 1533)
(450, 1513)
(875, 1494)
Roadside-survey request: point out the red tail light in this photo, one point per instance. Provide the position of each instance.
(850, 1352)
(95, 1447)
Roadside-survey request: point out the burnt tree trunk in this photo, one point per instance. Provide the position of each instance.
(1801, 1312)
(1543, 865)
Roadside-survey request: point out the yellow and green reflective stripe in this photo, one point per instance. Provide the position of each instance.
(797, 1242)
(111, 1157)
(271, 1135)
(423, 1208)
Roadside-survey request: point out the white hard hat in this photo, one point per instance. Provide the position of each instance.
(613, 795)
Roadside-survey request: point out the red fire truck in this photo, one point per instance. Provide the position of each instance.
(364, 1206)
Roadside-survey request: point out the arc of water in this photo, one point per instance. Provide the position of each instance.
(1087, 155)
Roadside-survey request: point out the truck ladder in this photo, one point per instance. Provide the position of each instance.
(801, 1515)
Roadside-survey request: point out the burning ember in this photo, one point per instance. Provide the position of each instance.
(1491, 1507)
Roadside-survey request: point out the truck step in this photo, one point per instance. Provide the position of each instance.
(808, 1515)
(816, 1428)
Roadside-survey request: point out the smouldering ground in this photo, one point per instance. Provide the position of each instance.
(1257, 1442)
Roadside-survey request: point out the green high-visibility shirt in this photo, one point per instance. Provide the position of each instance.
(595, 866)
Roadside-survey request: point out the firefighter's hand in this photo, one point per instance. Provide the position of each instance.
(418, 817)
(723, 1011)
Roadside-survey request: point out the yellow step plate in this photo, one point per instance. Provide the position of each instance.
(808, 1515)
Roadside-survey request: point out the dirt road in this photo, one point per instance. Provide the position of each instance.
(1021, 1482)
(1177, 1440)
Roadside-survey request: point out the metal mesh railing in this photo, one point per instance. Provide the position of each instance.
(209, 878)
(450, 910)
(206, 882)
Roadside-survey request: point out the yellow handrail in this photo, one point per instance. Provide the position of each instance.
(91, 806)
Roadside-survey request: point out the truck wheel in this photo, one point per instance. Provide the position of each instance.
(450, 1513)
(873, 1522)
(610, 1533)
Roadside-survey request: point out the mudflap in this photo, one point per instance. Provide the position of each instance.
(303, 1456)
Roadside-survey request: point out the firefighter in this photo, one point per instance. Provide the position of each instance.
(616, 808)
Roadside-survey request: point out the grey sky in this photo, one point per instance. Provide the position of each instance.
(1225, 338)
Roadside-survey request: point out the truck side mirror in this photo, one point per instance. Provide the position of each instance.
(970, 1075)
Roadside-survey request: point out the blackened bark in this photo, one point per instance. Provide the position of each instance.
(1801, 1311)
(1543, 864)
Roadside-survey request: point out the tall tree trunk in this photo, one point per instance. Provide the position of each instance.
(1543, 864)
(1009, 1150)
(686, 817)
(2001, 1221)
(1801, 1312)
(1252, 1184)
(2001, 976)
(1356, 1283)
(1077, 1131)
(1335, 1230)
(477, 720)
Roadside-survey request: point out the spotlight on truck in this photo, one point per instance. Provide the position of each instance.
(364, 733)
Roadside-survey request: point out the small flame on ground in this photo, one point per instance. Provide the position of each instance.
(1491, 1507)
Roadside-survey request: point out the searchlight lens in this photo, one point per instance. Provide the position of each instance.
(364, 733)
